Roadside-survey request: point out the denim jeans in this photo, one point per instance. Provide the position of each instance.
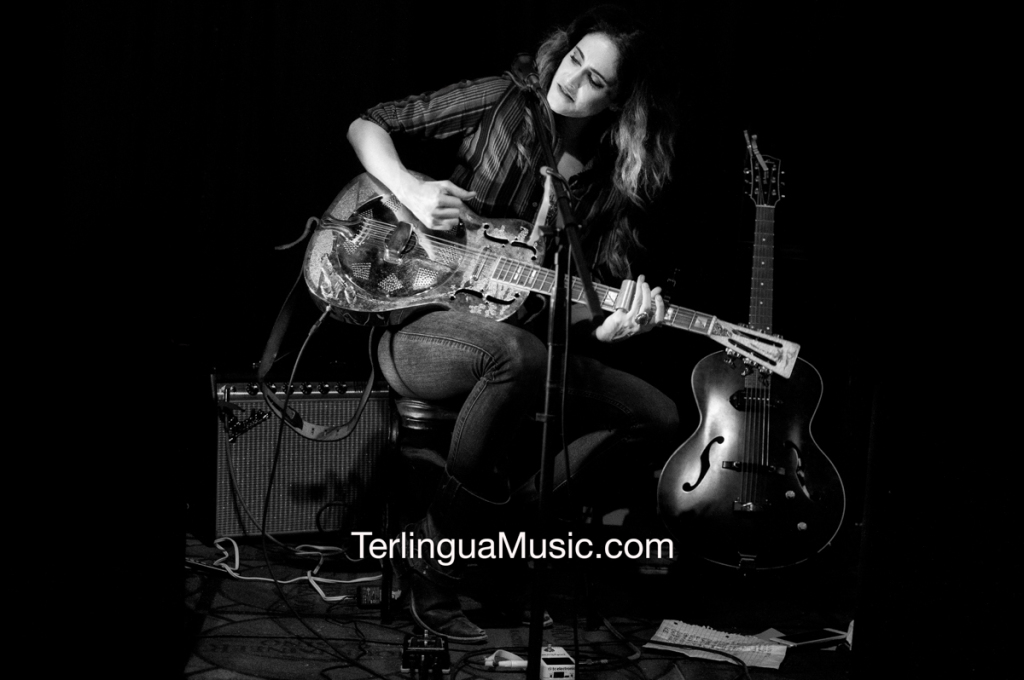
(612, 419)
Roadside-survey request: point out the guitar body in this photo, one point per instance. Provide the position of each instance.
(750, 488)
(365, 257)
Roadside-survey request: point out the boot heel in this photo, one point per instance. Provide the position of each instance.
(438, 611)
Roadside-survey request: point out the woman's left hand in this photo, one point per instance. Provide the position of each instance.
(646, 311)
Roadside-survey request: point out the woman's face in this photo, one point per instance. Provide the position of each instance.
(586, 81)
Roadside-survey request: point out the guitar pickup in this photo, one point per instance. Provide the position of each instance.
(740, 399)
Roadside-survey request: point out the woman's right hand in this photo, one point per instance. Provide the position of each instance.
(437, 204)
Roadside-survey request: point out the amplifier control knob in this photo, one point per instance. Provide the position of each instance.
(307, 388)
(252, 388)
(324, 388)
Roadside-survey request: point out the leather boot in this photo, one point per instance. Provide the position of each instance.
(456, 513)
(513, 578)
(433, 598)
(439, 611)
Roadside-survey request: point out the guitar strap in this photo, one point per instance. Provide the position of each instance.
(289, 415)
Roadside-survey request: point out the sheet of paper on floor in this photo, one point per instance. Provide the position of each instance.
(752, 650)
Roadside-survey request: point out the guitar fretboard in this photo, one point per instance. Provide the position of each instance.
(762, 277)
(541, 280)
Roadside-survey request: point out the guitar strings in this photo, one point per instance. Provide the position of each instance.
(506, 269)
(680, 316)
(382, 229)
(749, 436)
(520, 273)
(760, 315)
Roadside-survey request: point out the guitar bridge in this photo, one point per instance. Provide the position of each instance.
(756, 468)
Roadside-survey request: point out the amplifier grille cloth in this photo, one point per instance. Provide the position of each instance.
(336, 481)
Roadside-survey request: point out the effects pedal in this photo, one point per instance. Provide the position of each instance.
(555, 663)
(425, 656)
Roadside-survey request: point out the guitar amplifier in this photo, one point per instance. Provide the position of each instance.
(316, 486)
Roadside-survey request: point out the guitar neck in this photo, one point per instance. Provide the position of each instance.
(762, 278)
(772, 353)
(541, 280)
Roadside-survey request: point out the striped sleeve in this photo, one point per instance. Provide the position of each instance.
(456, 110)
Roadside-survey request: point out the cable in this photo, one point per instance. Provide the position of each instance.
(466, 658)
(230, 563)
(311, 577)
(266, 507)
(237, 496)
(615, 631)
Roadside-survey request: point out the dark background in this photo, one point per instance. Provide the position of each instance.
(236, 117)
(202, 136)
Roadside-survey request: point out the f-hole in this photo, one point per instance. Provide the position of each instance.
(705, 463)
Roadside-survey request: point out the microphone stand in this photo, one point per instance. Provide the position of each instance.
(565, 240)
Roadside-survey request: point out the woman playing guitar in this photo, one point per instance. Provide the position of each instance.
(613, 132)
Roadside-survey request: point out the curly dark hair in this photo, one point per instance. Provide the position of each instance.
(642, 129)
(638, 131)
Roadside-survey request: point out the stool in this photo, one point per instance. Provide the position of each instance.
(417, 449)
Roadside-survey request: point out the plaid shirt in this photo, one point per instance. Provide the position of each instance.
(486, 115)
